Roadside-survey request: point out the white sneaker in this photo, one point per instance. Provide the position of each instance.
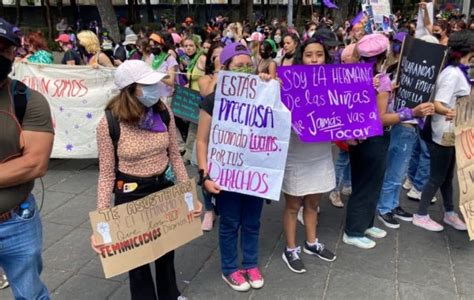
(415, 194)
(335, 198)
(360, 242)
(346, 190)
(376, 232)
(407, 184)
(300, 216)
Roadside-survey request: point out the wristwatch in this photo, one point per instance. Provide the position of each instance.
(203, 178)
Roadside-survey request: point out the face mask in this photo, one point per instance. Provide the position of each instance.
(156, 51)
(277, 39)
(150, 95)
(230, 34)
(205, 51)
(244, 69)
(310, 34)
(437, 35)
(129, 48)
(396, 48)
(5, 67)
(264, 55)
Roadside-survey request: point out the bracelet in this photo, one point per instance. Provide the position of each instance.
(405, 114)
(203, 178)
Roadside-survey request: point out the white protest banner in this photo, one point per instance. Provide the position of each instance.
(141, 231)
(77, 96)
(379, 15)
(464, 143)
(421, 29)
(249, 137)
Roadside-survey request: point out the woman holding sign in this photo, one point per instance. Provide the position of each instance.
(136, 142)
(238, 212)
(309, 173)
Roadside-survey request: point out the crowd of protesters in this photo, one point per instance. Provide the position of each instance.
(367, 177)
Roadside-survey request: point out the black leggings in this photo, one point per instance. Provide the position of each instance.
(442, 160)
(142, 286)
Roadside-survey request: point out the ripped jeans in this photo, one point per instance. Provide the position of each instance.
(403, 139)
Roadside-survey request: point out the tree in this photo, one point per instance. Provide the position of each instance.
(149, 10)
(108, 18)
(246, 11)
(48, 20)
(2, 10)
(341, 14)
(18, 12)
(59, 5)
(299, 17)
(75, 10)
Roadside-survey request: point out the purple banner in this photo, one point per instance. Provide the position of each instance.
(331, 102)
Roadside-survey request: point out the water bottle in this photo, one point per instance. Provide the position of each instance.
(25, 211)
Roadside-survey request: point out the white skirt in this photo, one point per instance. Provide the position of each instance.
(309, 168)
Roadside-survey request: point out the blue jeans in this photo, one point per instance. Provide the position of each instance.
(343, 171)
(402, 140)
(238, 212)
(419, 169)
(21, 241)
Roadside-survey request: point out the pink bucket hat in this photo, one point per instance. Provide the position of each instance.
(372, 45)
(348, 54)
(256, 37)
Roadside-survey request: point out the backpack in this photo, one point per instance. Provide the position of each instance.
(114, 129)
(20, 99)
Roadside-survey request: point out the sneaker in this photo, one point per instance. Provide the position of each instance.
(255, 278)
(335, 198)
(319, 250)
(376, 232)
(237, 281)
(388, 220)
(300, 216)
(407, 184)
(426, 223)
(452, 219)
(401, 214)
(208, 221)
(293, 260)
(3, 282)
(360, 242)
(346, 190)
(414, 194)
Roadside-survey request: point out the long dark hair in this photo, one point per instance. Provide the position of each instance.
(210, 67)
(300, 51)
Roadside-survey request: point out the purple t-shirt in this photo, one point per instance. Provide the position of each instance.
(168, 64)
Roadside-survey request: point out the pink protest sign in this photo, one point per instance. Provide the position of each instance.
(331, 102)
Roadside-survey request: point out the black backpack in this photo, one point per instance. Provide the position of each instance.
(114, 129)
(20, 99)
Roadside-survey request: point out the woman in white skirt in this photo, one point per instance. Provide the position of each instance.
(309, 173)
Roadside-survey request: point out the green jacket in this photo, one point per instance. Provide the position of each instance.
(41, 57)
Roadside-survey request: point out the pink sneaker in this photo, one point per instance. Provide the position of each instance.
(208, 221)
(452, 219)
(426, 223)
(237, 281)
(255, 278)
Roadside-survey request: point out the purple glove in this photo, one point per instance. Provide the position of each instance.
(405, 114)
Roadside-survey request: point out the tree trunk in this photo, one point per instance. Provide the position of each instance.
(18, 12)
(59, 5)
(149, 10)
(131, 13)
(341, 14)
(299, 17)
(75, 11)
(2, 10)
(249, 12)
(108, 18)
(48, 20)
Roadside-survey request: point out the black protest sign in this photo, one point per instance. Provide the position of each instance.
(419, 66)
(186, 104)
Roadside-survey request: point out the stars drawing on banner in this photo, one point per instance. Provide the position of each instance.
(89, 116)
(61, 109)
(69, 147)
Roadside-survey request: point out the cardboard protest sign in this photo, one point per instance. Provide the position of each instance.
(419, 66)
(249, 136)
(185, 104)
(139, 232)
(378, 14)
(77, 96)
(464, 143)
(331, 102)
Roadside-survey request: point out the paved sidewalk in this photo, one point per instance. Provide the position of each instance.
(409, 264)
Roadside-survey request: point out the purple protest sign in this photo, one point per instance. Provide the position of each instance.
(331, 102)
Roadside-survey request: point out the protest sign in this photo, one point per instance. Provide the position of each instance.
(77, 96)
(419, 66)
(331, 102)
(185, 104)
(464, 143)
(249, 136)
(139, 232)
(421, 29)
(378, 14)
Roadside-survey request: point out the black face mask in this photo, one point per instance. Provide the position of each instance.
(264, 55)
(156, 51)
(5, 67)
(212, 67)
(129, 48)
(289, 55)
(437, 35)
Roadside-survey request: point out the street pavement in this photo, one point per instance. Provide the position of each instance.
(410, 263)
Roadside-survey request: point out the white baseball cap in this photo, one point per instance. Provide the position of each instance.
(136, 71)
(130, 39)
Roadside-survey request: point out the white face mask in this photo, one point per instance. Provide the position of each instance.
(277, 39)
(230, 34)
(310, 34)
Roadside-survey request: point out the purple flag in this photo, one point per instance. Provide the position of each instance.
(329, 4)
(357, 18)
(331, 102)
